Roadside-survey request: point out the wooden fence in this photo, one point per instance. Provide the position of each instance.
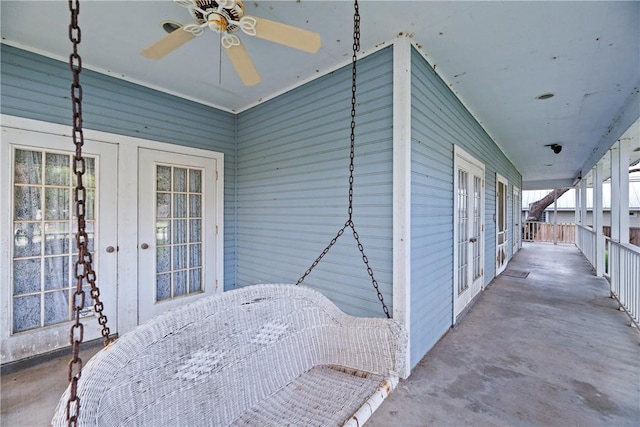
(565, 232)
(544, 232)
(634, 234)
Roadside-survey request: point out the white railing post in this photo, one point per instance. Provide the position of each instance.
(627, 289)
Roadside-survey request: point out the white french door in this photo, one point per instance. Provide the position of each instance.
(468, 230)
(179, 240)
(39, 251)
(517, 217)
(501, 223)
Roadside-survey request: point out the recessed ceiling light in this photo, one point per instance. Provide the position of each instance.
(170, 26)
(545, 96)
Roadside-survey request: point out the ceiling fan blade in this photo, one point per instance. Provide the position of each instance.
(167, 44)
(287, 35)
(243, 64)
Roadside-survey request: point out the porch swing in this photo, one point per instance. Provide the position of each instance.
(260, 355)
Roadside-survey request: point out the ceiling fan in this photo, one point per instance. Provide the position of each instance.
(227, 18)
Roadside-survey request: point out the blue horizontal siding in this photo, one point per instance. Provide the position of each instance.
(438, 122)
(286, 171)
(37, 87)
(293, 158)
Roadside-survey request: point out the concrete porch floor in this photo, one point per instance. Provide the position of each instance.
(548, 350)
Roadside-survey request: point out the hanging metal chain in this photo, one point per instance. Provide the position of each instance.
(349, 223)
(83, 269)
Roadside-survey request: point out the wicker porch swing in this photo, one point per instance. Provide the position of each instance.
(262, 355)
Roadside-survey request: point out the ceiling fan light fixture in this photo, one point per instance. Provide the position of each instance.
(545, 96)
(217, 22)
(170, 26)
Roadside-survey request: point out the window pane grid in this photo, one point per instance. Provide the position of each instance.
(179, 231)
(44, 247)
(463, 218)
(477, 224)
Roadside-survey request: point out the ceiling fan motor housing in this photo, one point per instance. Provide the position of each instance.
(218, 14)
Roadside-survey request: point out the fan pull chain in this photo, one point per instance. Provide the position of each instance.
(83, 269)
(349, 223)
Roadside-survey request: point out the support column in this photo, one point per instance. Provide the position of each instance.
(615, 194)
(402, 189)
(583, 203)
(576, 219)
(555, 217)
(598, 174)
(576, 212)
(624, 148)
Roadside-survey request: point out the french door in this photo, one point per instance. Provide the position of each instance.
(468, 230)
(179, 227)
(501, 223)
(38, 239)
(517, 217)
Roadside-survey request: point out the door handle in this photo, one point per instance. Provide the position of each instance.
(144, 246)
(110, 249)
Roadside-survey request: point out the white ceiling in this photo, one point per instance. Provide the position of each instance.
(497, 57)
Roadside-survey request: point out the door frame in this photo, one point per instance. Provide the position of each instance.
(502, 180)
(127, 295)
(459, 153)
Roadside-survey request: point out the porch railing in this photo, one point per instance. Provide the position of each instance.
(586, 242)
(624, 275)
(544, 232)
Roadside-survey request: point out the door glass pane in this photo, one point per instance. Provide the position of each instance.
(57, 169)
(26, 276)
(56, 203)
(195, 181)
(195, 279)
(56, 307)
(179, 179)
(43, 253)
(57, 236)
(163, 286)
(27, 203)
(179, 205)
(501, 206)
(26, 312)
(163, 232)
(56, 272)
(26, 239)
(27, 167)
(179, 283)
(179, 231)
(163, 178)
(463, 237)
(477, 226)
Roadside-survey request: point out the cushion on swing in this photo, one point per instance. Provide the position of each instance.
(260, 355)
